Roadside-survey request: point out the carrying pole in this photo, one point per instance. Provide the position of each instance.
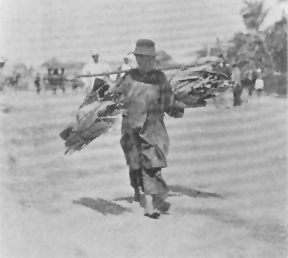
(166, 68)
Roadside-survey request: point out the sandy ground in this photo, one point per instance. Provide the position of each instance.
(227, 175)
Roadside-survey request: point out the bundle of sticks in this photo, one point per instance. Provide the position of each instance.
(191, 86)
(194, 85)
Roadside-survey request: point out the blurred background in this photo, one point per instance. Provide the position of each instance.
(36, 34)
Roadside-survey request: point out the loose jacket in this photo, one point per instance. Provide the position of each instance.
(146, 98)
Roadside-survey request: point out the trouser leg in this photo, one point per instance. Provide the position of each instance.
(155, 186)
(136, 181)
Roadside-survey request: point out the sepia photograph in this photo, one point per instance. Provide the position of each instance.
(143, 128)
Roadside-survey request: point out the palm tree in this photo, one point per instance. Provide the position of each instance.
(284, 4)
(254, 51)
(254, 14)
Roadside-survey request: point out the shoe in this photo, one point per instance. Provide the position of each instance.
(154, 215)
(160, 204)
(164, 207)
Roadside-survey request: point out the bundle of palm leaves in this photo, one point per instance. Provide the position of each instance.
(191, 87)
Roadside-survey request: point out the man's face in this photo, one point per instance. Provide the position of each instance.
(145, 63)
(95, 58)
(126, 61)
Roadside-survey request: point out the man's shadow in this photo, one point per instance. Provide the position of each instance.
(183, 190)
(102, 206)
(109, 207)
(179, 190)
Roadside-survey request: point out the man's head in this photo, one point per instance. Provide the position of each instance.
(95, 55)
(145, 54)
(145, 63)
(95, 58)
(126, 60)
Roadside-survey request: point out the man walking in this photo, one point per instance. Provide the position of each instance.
(147, 97)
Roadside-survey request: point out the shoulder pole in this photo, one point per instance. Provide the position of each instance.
(166, 68)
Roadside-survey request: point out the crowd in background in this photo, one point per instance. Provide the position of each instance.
(56, 78)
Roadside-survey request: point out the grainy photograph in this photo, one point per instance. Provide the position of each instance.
(143, 128)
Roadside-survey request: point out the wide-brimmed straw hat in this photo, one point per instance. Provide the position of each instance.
(145, 47)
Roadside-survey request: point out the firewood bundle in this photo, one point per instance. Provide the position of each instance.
(194, 85)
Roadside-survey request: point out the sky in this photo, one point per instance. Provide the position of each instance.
(32, 31)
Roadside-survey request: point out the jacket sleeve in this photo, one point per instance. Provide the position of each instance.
(170, 106)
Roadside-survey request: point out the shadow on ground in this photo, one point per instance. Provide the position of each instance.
(102, 206)
(176, 190)
(183, 190)
(109, 207)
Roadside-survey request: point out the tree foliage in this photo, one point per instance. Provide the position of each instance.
(253, 14)
(276, 40)
(251, 52)
(266, 49)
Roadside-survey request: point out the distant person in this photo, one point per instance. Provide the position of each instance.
(124, 67)
(75, 83)
(55, 80)
(220, 67)
(237, 87)
(48, 79)
(259, 85)
(62, 80)
(94, 67)
(251, 83)
(37, 83)
(248, 84)
(223, 66)
(13, 81)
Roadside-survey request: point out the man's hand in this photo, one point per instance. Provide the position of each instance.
(179, 104)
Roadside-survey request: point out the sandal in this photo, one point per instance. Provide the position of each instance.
(154, 215)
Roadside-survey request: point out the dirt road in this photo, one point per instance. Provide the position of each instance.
(227, 175)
